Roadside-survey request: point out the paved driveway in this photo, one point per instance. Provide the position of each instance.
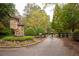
(49, 47)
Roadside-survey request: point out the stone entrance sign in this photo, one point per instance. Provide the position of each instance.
(13, 24)
(17, 26)
(19, 31)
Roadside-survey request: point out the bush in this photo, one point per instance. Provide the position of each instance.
(39, 30)
(6, 32)
(75, 35)
(30, 31)
(34, 31)
(12, 38)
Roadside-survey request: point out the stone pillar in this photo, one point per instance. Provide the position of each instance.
(19, 31)
(17, 26)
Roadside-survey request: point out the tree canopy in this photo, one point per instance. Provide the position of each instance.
(37, 19)
(66, 17)
(6, 10)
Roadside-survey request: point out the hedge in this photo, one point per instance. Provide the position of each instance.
(12, 38)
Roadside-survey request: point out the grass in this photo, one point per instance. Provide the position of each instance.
(13, 38)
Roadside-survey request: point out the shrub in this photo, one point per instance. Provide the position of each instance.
(5, 32)
(30, 31)
(34, 31)
(12, 38)
(39, 30)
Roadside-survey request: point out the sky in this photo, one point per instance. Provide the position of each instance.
(20, 7)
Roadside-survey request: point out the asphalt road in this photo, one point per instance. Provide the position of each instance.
(49, 47)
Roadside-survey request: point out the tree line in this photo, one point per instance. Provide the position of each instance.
(66, 17)
(36, 20)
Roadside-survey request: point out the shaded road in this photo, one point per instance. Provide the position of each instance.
(49, 47)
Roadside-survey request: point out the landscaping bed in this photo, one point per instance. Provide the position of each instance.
(11, 41)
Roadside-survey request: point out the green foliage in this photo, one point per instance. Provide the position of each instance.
(30, 31)
(12, 38)
(36, 19)
(1, 26)
(71, 16)
(6, 9)
(7, 31)
(34, 31)
(66, 17)
(39, 30)
(57, 24)
(4, 31)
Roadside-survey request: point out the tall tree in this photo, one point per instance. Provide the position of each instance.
(57, 16)
(71, 16)
(65, 17)
(6, 11)
(37, 19)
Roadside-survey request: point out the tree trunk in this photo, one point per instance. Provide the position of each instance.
(73, 29)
